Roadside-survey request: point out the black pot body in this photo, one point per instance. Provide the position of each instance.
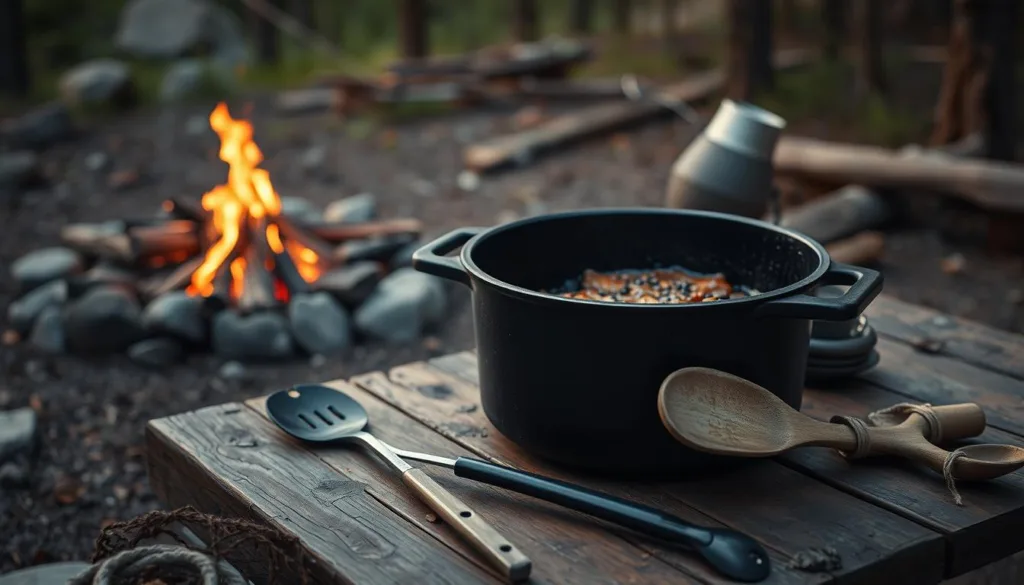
(576, 382)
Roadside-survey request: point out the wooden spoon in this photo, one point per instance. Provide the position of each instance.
(716, 412)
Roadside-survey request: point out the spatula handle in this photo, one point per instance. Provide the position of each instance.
(512, 563)
(734, 554)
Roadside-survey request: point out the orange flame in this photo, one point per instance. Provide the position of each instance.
(248, 193)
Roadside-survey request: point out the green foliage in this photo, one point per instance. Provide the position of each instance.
(823, 91)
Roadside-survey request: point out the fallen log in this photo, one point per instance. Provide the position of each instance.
(860, 249)
(988, 184)
(839, 214)
(317, 99)
(340, 232)
(570, 89)
(523, 146)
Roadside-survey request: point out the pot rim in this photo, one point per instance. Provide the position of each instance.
(465, 255)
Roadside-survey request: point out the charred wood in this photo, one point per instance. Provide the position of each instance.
(341, 232)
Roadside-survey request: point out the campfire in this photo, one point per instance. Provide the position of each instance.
(234, 272)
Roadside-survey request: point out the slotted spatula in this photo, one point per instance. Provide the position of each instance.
(318, 413)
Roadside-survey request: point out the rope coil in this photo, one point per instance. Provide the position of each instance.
(894, 415)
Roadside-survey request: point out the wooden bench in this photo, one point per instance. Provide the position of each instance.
(891, 523)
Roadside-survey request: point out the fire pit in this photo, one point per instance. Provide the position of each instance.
(235, 273)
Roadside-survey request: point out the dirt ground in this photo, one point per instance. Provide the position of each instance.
(91, 466)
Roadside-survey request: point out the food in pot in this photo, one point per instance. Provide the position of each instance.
(659, 286)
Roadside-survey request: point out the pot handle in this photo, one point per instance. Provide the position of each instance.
(431, 258)
(865, 286)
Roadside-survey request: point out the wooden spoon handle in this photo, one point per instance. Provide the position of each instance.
(960, 421)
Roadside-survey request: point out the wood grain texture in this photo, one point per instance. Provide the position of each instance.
(563, 546)
(943, 380)
(978, 533)
(963, 339)
(786, 511)
(236, 464)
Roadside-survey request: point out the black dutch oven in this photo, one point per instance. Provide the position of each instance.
(576, 381)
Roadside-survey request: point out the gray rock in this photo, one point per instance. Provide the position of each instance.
(101, 273)
(158, 352)
(430, 289)
(97, 161)
(184, 79)
(48, 331)
(404, 304)
(403, 257)
(177, 314)
(104, 319)
(354, 209)
(49, 574)
(299, 208)
(44, 265)
(18, 169)
(251, 337)
(233, 370)
(98, 82)
(379, 249)
(197, 126)
(319, 324)
(171, 28)
(17, 432)
(314, 157)
(22, 313)
(39, 128)
(351, 284)
(12, 475)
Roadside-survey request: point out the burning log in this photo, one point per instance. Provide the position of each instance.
(116, 240)
(258, 280)
(342, 232)
(181, 209)
(294, 233)
(177, 279)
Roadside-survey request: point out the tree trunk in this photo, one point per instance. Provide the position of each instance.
(999, 111)
(581, 14)
(749, 60)
(622, 16)
(14, 76)
(524, 20)
(302, 10)
(870, 68)
(412, 28)
(977, 92)
(833, 13)
(266, 37)
(788, 16)
(668, 24)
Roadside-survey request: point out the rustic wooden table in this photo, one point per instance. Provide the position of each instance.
(890, 523)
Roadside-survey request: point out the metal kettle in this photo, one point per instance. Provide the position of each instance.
(728, 167)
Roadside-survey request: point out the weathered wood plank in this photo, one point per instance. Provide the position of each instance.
(563, 547)
(976, 534)
(236, 464)
(967, 340)
(786, 510)
(943, 380)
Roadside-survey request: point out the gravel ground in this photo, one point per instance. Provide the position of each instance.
(90, 468)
